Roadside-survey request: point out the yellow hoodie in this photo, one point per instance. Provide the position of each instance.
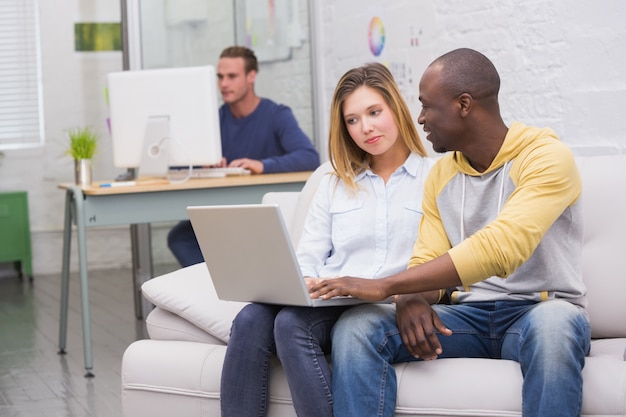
(514, 232)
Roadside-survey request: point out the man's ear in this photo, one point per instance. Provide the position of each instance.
(251, 76)
(466, 102)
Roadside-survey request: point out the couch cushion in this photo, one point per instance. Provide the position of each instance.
(189, 293)
(604, 205)
(164, 325)
(165, 378)
(295, 205)
(287, 201)
(304, 201)
(614, 348)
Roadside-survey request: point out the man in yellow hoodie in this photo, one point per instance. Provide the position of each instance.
(502, 228)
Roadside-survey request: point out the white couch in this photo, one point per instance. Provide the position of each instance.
(177, 372)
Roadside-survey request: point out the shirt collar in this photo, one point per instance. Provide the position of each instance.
(410, 166)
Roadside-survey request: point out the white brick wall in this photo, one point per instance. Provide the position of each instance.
(562, 63)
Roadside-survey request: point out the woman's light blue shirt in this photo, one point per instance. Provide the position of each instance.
(369, 234)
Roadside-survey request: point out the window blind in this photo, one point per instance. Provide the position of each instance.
(21, 100)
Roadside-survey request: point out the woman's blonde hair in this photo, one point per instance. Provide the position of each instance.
(346, 157)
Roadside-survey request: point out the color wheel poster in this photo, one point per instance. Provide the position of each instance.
(401, 35)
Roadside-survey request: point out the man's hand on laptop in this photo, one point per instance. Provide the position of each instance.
(364, 289)
(310, 281)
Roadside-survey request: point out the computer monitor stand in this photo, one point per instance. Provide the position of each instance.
(129, 175)
(155, 154)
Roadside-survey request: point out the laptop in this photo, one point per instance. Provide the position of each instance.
(249, 255)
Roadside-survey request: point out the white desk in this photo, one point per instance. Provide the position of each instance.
(149, 201)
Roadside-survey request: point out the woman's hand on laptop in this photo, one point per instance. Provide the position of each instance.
(364, 289)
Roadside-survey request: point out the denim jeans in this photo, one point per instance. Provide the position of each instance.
(301, 337)
(182, 242)
(549, 340)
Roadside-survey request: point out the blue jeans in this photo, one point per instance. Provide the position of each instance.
(182, 242)
(300, 336)
(549, 340)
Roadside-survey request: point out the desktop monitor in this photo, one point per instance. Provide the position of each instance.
(167, 115)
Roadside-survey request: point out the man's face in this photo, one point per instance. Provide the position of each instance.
(439, 115)
(233, 82)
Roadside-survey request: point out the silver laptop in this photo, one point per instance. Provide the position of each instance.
(250, 257)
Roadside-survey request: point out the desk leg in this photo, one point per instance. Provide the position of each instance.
(84, 279)
(141, 243)
(65, 272)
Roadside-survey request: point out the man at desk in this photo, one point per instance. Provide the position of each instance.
(257, 134)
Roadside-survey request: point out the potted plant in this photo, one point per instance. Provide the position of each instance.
(83, 145)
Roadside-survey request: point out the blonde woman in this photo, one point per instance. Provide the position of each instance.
(363, 221)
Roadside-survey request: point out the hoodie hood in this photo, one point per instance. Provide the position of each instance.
(519, 138)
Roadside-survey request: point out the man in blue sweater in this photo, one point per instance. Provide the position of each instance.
(257, 134)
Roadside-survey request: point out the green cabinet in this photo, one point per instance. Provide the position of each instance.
(15, 231)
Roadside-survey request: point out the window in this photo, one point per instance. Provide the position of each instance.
(21, 101)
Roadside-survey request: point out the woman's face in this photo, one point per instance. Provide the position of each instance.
(370, 121)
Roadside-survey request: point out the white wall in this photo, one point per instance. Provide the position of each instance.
(562, 63)
(73, 96)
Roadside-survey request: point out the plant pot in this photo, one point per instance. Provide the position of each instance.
(82, 172)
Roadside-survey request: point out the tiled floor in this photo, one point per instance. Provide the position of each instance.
(34, 380)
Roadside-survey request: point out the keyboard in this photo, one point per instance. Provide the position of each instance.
(206, 172)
